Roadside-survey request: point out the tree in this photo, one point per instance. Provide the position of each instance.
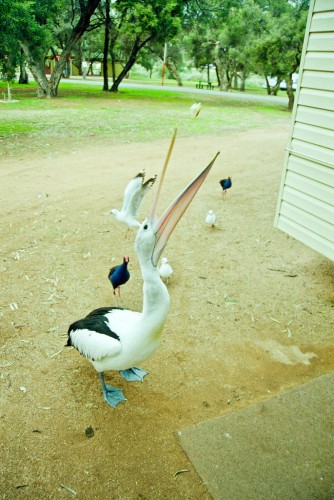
(34, 26)
(12, 14)
(136, 23)
(107, 29)
(81, 17)
(155, 52)
(277, 52)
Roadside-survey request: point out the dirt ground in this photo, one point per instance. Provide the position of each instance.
(251, 314)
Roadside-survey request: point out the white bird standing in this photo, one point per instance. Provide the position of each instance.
(119, 339)
(165, 269)
(195, 109)
(133, 196)
(211, 218)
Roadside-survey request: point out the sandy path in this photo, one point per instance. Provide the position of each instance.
(251, 314)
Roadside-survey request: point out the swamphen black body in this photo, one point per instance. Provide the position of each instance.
(226, 184)
(119, 275)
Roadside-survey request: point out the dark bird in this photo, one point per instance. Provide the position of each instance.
(119, 275)
(226, 184)
(133, 196)
(113, 338)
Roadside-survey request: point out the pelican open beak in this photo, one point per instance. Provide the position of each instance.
(164, 226)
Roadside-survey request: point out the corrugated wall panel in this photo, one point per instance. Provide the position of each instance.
(307, 220)
(322, 21)
(314, 135)
(311, 170)
(318, 80)
(320, 61)
(316, 98)
(307, 186)
(305, 207)
(323, 5)
(309, 204)
(314, 116)
(321, 245)
(321, 42)
(319, 154)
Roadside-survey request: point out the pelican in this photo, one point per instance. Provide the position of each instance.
(120, 339)
(211, 218)
(195, 109)
(133, 196)
(165, 269)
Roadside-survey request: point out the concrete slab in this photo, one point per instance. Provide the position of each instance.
(281, 448)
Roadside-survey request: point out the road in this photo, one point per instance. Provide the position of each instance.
(226, 95)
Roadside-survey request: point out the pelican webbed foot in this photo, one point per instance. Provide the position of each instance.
(133, 374)
(111, 395)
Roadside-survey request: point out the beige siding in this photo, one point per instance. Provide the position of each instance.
(310, 170)
(323, 42)
(314, 116)
(320, 61)
(322, 21)
(318, 80)
(303, 234)
(323, 5)
(305, 206)
(321, 99)
(315, 153)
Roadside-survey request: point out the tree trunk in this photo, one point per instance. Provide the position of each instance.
(272, 90)
(23, 73)
(220, 69)
(106, 47)
(289, 91)
(67, 69)
(49, 88)
(268, 85)
(235, 81)
(130, 62)
(37, 68)
(172, 68)
(217, 76)
(243, 79)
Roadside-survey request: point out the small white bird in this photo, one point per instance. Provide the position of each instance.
(165, 269)
(195, 109)
(211, 218)
(133, 196)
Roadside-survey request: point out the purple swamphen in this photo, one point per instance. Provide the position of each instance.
(119, 275)
(226, 184)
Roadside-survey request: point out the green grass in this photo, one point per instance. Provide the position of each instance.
(84, 113)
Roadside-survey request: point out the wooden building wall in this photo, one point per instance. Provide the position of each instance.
(305, 208)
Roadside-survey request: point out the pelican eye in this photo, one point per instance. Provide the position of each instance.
(146, 226)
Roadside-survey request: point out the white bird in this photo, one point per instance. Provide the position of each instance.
(119, 339)
(165, 269)
(195, 109)
(133, 196)
(211, 218)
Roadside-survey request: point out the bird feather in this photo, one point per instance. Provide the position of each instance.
(132, 198)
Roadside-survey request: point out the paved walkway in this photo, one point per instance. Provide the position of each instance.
(280, 449)
(225, 95)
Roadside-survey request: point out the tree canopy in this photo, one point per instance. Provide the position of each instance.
(235, 37)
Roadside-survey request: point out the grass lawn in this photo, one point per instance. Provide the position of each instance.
(83, 114)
